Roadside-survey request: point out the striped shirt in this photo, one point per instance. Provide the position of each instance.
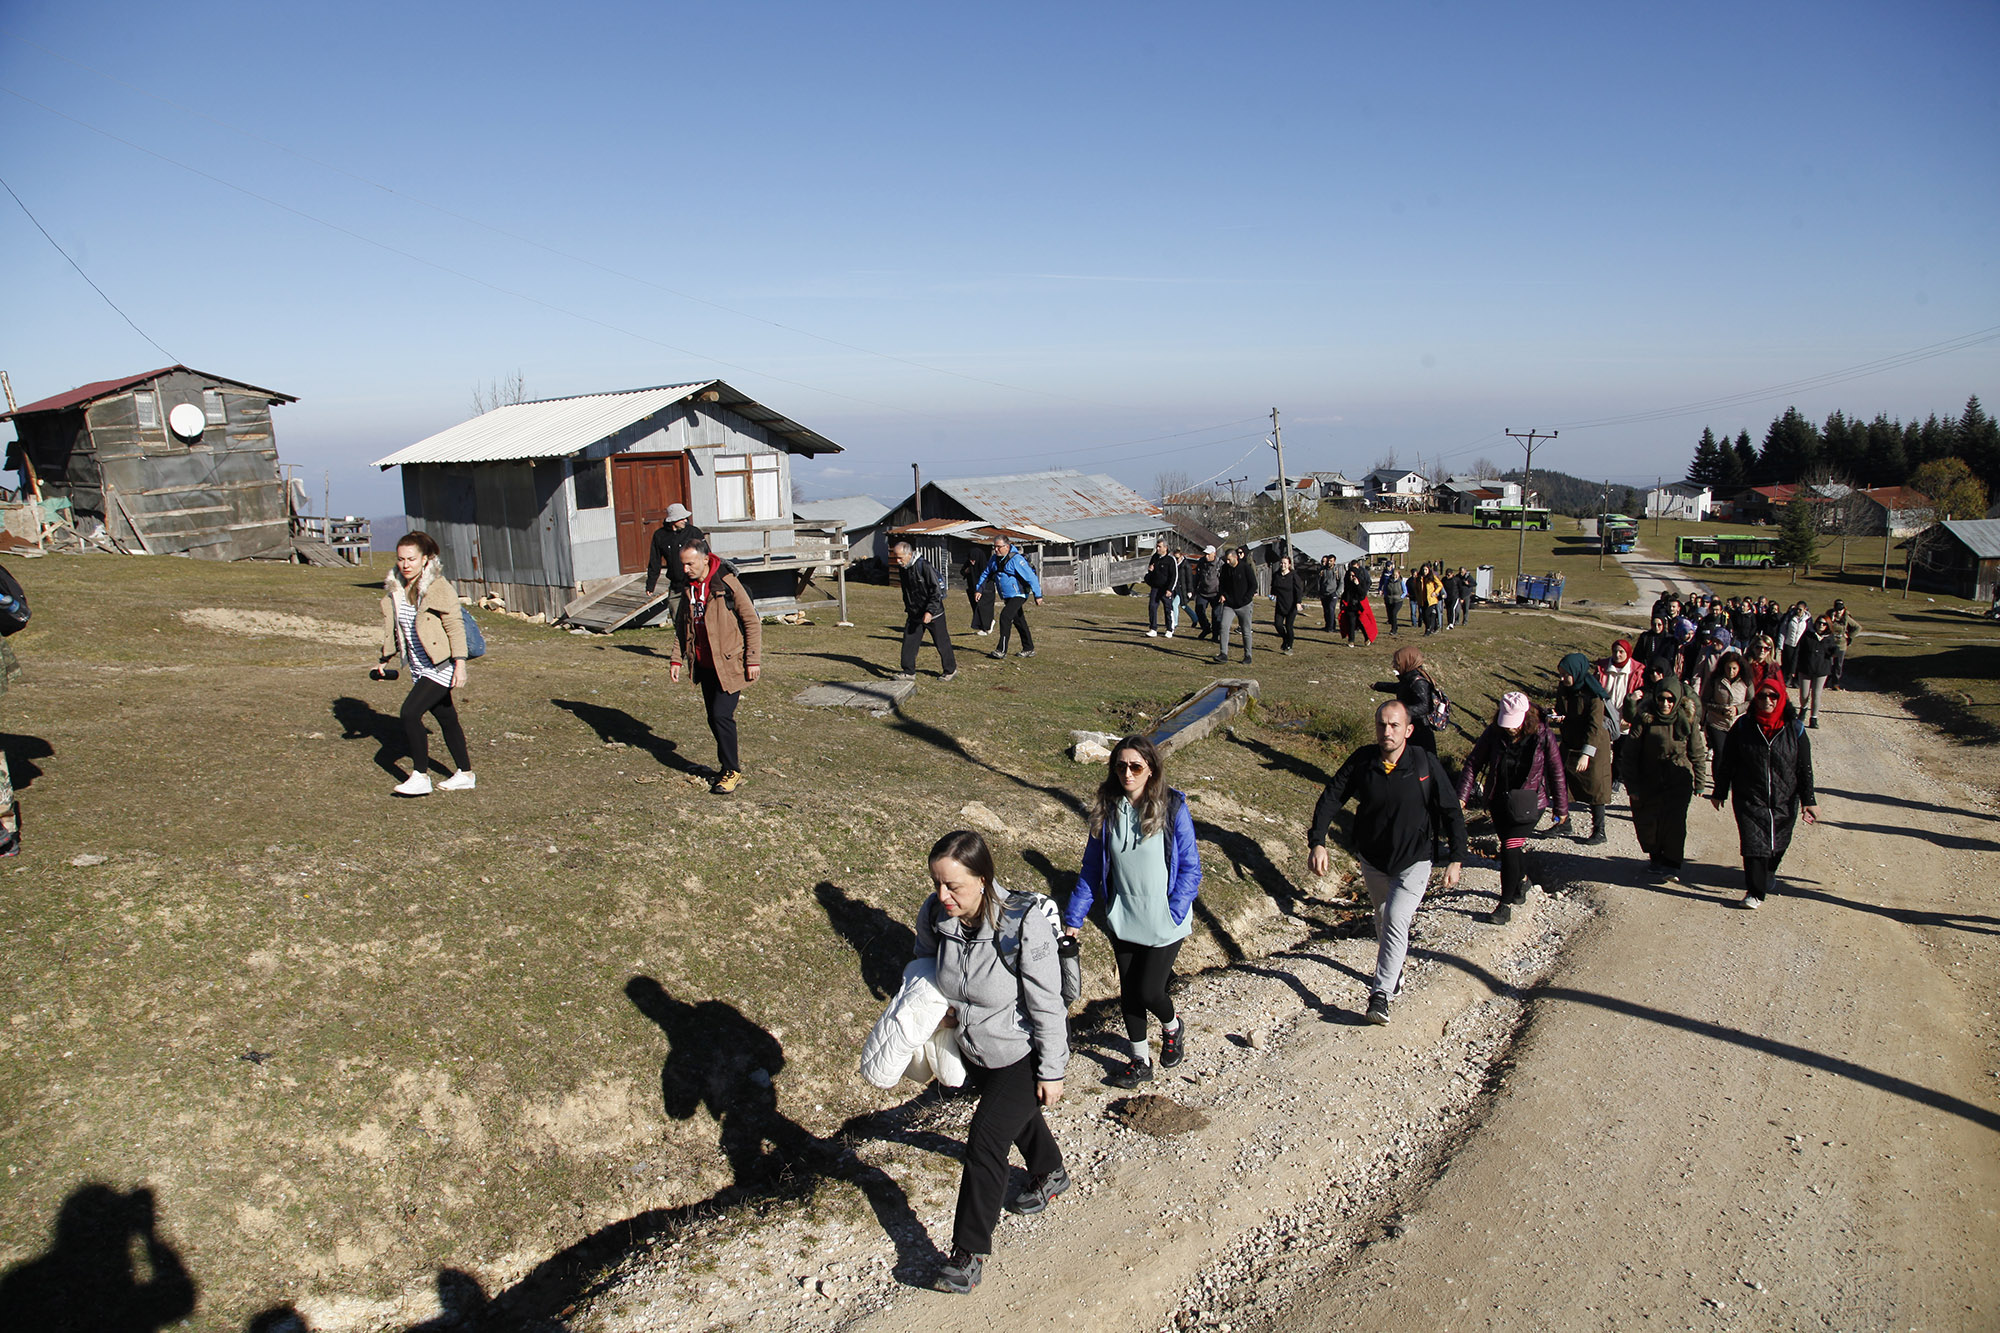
(420, 664)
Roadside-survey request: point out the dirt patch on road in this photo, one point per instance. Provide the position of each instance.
(261, 623)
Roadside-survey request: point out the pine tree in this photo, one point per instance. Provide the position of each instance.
(1979, 443)
(1706, 469)
(1746, 460)
(1886, 464)
(1798, 539)
(1791, 447)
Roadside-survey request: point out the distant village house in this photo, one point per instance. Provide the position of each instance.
(1083, 533)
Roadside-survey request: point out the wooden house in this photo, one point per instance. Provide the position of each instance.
(552, 505)
(1084, 533)
(170, 461)
(1396, 488)
(1959, 557)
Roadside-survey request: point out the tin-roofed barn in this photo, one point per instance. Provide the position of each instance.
(553, 504)
(1085, 533)
(169, 461)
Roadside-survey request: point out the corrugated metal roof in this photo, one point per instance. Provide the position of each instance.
(1052, 501)
(86, 393)
(856, 511)
(1380, 526)
(1318, 544)
(1111, 525)
(1980, 535)
(558, 427)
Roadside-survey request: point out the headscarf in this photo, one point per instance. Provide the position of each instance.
(1626, 644)
(1771, 725)
(1577, 666)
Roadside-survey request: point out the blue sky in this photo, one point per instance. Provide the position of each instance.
(1006, 238)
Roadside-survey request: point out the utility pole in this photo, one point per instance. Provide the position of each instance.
(1659, 502)
(1603, 505)
(1529, 439)
(1284, 487)
(917, 483)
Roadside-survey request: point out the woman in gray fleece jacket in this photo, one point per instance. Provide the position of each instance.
(997, 965)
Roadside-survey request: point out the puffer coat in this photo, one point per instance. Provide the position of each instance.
(1585, 732)
(1767, 778)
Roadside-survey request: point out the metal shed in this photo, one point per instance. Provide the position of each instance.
(553, 503)
(173, 460)
(1096, 534)
(1383, 537)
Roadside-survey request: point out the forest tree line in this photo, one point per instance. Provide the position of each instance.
(1881, 452)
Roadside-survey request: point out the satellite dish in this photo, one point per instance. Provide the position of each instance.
(186, 421)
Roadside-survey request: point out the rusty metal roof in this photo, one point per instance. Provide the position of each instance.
(558, 427)
(90, 393)
(1055, 502)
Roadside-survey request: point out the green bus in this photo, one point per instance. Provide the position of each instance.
(1511, 516)
(1727, 551)
(1616, 533)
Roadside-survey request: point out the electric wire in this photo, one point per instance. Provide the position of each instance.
(86, 277)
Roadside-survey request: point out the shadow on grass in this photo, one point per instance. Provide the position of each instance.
(880, 941)
(615, 724)
(361, 720)
(21, 753)
(89, 1282)
(944, 740)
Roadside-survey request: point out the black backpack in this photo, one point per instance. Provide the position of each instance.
(14, 611)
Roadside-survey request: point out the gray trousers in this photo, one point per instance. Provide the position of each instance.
(1396, 899)
(1231, 616)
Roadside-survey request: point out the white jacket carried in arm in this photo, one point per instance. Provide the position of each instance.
(907, 1042)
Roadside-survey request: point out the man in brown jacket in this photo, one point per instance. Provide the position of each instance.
(721, 637)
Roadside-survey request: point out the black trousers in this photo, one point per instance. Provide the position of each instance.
(1285, 621)
(1839, 670)
(982, 608)
(1012, 614)
(1326, 609)
(721, 707)
(1513, 860)
(1158, 599)
(1760, 874)
(1007, 1116)
(1204, 614)
(1143, 974)
(914, 630)
(1395, 614)
(427, 696)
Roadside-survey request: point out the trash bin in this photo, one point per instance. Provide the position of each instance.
(1482, 583)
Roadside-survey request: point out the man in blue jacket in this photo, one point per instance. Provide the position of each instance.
(923, 611)
(1009, 571)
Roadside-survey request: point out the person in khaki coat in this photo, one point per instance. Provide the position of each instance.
(1586, 739)
(423, 624)
(722, 640)
(1667, 766)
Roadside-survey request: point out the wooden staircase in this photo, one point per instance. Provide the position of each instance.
(622, 603)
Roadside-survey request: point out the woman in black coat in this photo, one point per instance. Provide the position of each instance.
(1416, 692)
(1287, 590)
(1766, 771)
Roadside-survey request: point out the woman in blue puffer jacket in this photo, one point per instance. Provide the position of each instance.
(1142, 861)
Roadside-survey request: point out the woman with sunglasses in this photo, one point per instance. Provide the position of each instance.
(1667, 763)
(1766, 772)
(997, 966)
(1142, 864)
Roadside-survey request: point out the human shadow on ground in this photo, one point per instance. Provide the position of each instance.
(1283, 760)
(21, 752)
(88, 1281)
(1877, 798)
(875, 669)
(944, 740)
(1952, 841)
(1250, 861)
(644, 650)
(1818, 1060)
(880, 941)
(615, 724)
(1727, 883)
(360, 720)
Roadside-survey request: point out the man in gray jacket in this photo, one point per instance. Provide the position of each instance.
(923, 611)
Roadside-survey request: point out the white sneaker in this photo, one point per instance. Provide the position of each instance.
(417, 784)
(459, 781)
(1170, 634)
(1152, 634)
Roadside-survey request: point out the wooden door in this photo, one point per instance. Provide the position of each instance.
(642, 486)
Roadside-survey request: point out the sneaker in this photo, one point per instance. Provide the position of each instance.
(459, 781)
(1814, 724)
(1041, 1190)
(1131, 1074)
(1378, 1008)
(1220, 658)
(1173, 1043)
(727, 783)
(949, 675)
(1152, 634)
(1751, 901)
(417, 784)
(1286, 651)
(1246, 659)
(997, 656)
(906, 675)
(1026, 652)
(959, 1274)
(1501, 914)
(1170, 634)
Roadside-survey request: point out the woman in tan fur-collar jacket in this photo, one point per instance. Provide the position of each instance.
(423, 624)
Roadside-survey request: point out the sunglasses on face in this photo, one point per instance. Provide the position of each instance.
(1123, 767)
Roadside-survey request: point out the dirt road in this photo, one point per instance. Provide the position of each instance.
(1726, 1119)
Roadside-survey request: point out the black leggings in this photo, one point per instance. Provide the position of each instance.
(1008, 1115)
(1143, 974)
(1760, 874)
(427, 696)
(1011, 615)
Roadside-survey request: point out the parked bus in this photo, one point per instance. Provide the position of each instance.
(1727, 551)
(1511, 516)
(1616, 533)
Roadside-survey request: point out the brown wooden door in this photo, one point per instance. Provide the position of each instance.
(642, 486)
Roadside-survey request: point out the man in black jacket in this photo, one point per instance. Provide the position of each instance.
(1238, 586)
(923, 612)
(1163, 576)
(673, 536)
(1402, 797)
(1207, 578)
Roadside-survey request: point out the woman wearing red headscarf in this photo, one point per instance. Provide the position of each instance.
(1766, 770)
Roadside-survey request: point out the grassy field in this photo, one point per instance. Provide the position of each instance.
(353, 1044)
(1564, 549)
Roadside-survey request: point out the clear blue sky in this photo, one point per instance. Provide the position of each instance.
(1407, 226)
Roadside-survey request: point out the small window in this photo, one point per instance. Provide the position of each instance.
(746, 487)
(149, 409)
(592, 488)
(211, 407)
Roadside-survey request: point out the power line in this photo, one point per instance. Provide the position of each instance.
(87, 278)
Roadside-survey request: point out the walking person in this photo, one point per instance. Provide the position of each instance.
(1355, 615)
(14, 616)
(675, 534)
(1448, 582)
(1524, 776)
(1142, 864)
(923, 612)
(1726, 699)
(1466, 583)
(996, 955)
(1184, 581)
(720, 635)
(980, 598)
(1009, 572)
(1814, 661)
(1402, 796)
(423, 624)
(1620, 674)
(1417, 692)
(1666, 768)
(1763, 663)
(1795, 624)
(1393, 589)
(1586, 739)
(1162, 577)
(1238, 583)
(1766, 774)
(1845, 627)
(1208, 593)
(1288, 589)
(1329, 581)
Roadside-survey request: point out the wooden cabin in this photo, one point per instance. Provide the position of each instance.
(1083, 533)
(171, 461)
(553, 504)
